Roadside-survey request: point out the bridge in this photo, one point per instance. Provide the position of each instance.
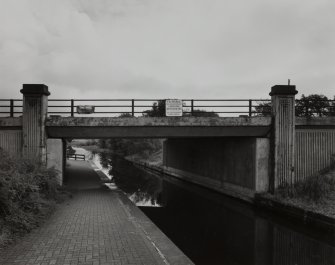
(240, 156)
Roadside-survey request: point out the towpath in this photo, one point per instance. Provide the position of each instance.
(96, 227)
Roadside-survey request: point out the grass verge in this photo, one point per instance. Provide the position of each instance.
(316, 194)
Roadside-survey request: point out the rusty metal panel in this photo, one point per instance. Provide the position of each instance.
(315, 150)
(11, 141)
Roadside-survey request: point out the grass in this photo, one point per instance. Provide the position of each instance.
(316, 194)
(28, 194)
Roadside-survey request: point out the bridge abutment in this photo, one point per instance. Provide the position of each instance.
(237, 166)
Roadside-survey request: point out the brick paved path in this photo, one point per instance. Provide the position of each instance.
(92, 228)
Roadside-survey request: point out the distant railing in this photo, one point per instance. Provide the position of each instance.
(137, 107)
(76, 157)
(11, 107)
(191, 107)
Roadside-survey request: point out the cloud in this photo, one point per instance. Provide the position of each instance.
(146, 48)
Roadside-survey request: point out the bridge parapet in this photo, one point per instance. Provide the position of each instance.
(10, 122)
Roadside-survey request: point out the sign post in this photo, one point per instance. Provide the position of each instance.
(174, 107)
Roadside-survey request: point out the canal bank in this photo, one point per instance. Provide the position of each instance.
(260, 200)
(98, 226)
(212, 228)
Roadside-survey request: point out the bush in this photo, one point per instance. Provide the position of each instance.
(316, 188)
(28, 192)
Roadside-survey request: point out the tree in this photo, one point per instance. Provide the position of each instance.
(314, 105)
(332, 107)
(157, 109)
(263, 108)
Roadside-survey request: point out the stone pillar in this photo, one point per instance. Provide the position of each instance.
(283, 111)
(35, 110)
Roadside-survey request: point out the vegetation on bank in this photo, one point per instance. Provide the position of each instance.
(28, 194)
(316, 194)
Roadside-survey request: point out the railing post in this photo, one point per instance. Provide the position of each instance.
(250, 107)
(72, 108)
(35, 110)
(12, 108)
(133, 107)
(192, 107)
(283, 111)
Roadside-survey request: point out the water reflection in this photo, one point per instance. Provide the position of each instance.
(143, 189)
(213, 229)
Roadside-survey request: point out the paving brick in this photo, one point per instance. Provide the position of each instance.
(92, 228)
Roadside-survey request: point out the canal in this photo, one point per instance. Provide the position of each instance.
(211, 228)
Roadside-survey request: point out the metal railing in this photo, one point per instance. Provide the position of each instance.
(138, 107)
(76, 157)
(191, 107)
(11, 107)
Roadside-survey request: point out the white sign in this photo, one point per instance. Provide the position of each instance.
(174, 108)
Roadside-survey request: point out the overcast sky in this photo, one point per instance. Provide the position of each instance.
(167, 48)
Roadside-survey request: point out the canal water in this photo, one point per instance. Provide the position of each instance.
(214, 229)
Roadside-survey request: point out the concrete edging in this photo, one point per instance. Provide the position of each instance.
(169, 252)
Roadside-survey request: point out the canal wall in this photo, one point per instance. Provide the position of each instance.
(235, 165)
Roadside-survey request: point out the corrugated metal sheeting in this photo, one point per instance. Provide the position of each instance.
(314, 151)
(11, 141)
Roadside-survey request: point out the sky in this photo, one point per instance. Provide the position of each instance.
(210, 49)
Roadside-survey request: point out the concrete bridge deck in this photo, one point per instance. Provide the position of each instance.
(96, 227)
(160, 127)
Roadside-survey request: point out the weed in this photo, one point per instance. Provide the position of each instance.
(316, 188)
